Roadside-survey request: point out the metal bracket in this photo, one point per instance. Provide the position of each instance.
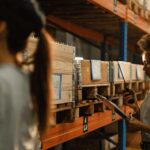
(85, 123)
(115, 6)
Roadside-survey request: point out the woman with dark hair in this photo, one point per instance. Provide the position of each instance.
(142, 121)
(24, 99)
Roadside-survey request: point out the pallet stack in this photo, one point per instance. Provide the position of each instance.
(93, 79)
(63, 73)
(120, 71)
(76, 83)
(140, 7)
(133, 75)
(93, 75)
(63, 83)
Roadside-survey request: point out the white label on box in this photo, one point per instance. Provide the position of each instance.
(95, 69)
(57, 83)
(139, 72)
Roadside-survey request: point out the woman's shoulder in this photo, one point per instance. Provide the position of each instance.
(11, 72)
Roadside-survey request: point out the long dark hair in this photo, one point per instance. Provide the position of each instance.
(41, 79)
(22, 18)
(144, 43)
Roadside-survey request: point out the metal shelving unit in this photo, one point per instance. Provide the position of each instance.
(108, 18)
(65, 132)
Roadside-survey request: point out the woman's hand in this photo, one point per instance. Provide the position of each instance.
(130, 95)
(134, 123)
(134, 106)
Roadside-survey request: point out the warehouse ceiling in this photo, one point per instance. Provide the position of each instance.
(87, 15)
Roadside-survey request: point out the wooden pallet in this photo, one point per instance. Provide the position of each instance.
(147, 15)
(138, 85)
(135, 86)
(118, 100)
(135, 6)
(147, 85)
(117, 88)
(141, 85)
(88, 108)
(88, 92)
(139, 9)
(63, 113)
(139, 88)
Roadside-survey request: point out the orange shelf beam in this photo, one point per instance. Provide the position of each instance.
(109, 5)
(65, 132)
(82, 32)
(75, 29)
(123, 12)
(138, 21)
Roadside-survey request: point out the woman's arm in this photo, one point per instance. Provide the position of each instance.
(134, 106)
(139, 125)
(136, 109)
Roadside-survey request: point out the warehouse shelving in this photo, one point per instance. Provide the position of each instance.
(103, 15)
(64, 132)
(96, 21)
(123, 12)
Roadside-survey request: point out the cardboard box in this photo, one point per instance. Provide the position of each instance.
(133, 72)
(140, 72)
(63, 67)
(121, 69)
(63, 58)
(87, 69)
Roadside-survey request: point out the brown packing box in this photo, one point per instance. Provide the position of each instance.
(63, 58)
(115, 71)
(63, 61)
(63, 65)
(125, 68)
(148, 5)
(133, 72)
(86, 73)
(63, 55)
(140, 72)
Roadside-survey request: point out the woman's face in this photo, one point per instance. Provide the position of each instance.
(146, 62)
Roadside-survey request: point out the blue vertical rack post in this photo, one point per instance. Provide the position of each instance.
(123, 42)
(123, 52)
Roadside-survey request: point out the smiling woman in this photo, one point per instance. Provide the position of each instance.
(143, 120)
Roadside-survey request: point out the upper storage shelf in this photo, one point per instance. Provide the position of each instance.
(95, 19)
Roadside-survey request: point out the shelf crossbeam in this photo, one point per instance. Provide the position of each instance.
(138, 21)
(123, 12)
(75, 29)
(67, 131)
(118, 8)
